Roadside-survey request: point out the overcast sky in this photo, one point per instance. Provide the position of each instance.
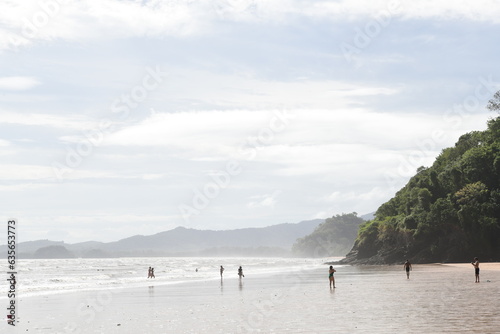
(120, 118)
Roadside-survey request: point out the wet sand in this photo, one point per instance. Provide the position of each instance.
(368, 299)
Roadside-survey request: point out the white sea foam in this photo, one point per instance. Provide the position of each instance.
(38, 277)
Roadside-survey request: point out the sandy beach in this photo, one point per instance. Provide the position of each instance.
(488, 266)
(368, 299)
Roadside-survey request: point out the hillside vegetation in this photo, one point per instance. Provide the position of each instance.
(334, 237)
(449, 212)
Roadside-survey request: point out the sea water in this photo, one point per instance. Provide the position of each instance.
(49, 276)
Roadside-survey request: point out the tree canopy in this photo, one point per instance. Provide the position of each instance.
(445, 213)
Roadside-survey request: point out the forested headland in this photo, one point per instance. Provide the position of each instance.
(449, 212)
(334, 237)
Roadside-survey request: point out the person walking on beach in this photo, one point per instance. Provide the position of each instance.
(407, 267)
(240, 272)
(221, 271)
(149, 272)
(330, 276)
(152, 272)
(475, 263)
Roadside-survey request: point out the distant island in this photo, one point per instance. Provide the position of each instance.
(449, 212)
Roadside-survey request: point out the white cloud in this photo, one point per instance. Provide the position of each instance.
(99, 226)
(232, 66)
(22, 186)
(376, 194)
(222, 132)
(31, 21)
(321, 215)
(72, 121)
(333, 139)
(97, 217)
(249, 91)
(18, 83)
(266, 200)
(482, 10)
(26, 172)
(202, 131)
(358, 198)
(152, 176)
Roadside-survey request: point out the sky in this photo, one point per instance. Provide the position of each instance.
(120, 118)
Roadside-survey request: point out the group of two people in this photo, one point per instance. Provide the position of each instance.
(240, 272)
(475, 264)
(331, 271)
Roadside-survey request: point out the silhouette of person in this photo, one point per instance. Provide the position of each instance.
(240, 272)
(330, 276)
(475, 263)
(221, 271)
(407, 267)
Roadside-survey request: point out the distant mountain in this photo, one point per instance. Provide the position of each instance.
(183, 239)
(276, 240)
(82, 246)
(30, 247)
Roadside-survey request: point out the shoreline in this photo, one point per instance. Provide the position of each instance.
(482, 265)
(123, 309)
(42, 278)
(485, 265)
(365, 301)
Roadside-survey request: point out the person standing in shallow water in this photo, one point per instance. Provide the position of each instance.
(475, 263)
(240, 272)
(330, 276)
(221, 271)
(407, 267)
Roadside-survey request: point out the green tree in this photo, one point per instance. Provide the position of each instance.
(445, 212)
(494, 103)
